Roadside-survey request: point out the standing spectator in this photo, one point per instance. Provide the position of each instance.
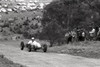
(96, 31)
(92, 34)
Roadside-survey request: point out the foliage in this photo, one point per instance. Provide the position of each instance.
(52, 32)
(59, 17)
(70, 14)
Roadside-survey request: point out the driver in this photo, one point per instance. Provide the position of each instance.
(34, 43)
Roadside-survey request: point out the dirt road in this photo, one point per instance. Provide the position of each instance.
(39, 59)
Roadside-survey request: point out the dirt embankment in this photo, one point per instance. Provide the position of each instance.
(4, 62)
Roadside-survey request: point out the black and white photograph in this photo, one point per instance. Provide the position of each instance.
(49, 33)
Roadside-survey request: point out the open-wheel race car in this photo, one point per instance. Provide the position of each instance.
(33, 47)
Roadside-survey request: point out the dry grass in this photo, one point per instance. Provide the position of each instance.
(84, 49)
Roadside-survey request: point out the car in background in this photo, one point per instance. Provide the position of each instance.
(41, 5)
(15, 10)
(31, 6)
(22, 8)
(5, 5)
(16, 6)
(9, 10)
(3, 10)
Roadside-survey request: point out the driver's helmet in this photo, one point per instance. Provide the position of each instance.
(32, 38)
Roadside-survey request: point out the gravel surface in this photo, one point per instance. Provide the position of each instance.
(40, 59)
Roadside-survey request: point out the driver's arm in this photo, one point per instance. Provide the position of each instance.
(29, 42)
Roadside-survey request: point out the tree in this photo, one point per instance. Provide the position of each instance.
(70, 14)
(64, 12)
(52, 32)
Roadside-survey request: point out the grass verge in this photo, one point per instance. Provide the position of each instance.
(4, 62)
(84, 49)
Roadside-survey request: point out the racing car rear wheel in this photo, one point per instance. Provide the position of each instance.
(44, 48)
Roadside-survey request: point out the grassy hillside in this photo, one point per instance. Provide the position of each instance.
(84, 49)
(13, 22)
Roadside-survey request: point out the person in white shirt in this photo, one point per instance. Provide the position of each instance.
(92, 32)
(34, 43)
(98, 32)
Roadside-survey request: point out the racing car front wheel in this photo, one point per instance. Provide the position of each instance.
(22, 45)
(29, 48)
